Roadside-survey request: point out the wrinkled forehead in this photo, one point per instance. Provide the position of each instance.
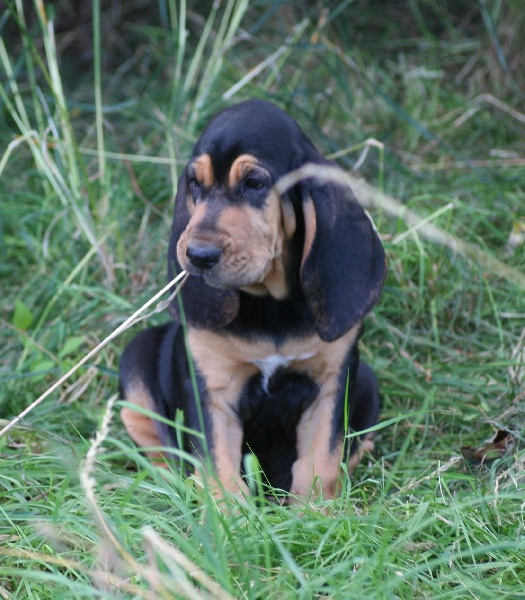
(257, 129)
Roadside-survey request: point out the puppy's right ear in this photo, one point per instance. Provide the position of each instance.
(203, 306)
(343, 267)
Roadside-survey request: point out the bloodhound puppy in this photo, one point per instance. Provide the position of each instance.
(262, 355)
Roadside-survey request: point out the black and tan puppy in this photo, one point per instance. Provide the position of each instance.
(278, 288)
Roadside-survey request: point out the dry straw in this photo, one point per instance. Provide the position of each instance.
(372, 198)
(135, 318)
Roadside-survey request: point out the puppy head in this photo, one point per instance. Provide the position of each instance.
(231, 231)
(235, 235)
(230, 228)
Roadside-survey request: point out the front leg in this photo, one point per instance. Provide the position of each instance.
(320, 432)
(316, 471)
(222, 376)
(224, 436)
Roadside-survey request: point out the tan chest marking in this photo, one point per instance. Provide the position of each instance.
(267, 366)
(227, 361)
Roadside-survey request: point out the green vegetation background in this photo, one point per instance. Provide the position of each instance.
(100, 103)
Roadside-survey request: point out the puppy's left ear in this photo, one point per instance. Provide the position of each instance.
(343, 266)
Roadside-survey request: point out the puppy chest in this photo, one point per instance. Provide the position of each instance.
(277, 392)
(230, 364)
(269, 365)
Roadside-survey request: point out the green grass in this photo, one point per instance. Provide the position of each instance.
(96, 122)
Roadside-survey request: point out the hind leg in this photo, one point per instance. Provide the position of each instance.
(364, 413)
(139, 383)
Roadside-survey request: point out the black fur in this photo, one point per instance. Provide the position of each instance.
(342, 277)
(331, 290)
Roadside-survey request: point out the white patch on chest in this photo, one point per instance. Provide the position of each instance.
(270, 364)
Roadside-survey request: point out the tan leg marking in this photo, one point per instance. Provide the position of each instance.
(317, 468)
(324, 469)
(366, 445)
(225, 377)
(140, 427)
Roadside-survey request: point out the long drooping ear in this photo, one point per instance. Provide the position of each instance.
(343, 266)
(204, 306)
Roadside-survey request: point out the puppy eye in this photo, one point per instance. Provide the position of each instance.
(253, 183)
(195, 187)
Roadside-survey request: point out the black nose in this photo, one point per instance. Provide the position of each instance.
(203, 256)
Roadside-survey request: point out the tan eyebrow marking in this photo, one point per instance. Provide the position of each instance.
(241, 166)
(203, 170)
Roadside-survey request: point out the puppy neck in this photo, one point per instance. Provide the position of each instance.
(274, 284)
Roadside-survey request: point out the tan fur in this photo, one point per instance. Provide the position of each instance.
(252, 241)
(366, 445)
(310, 225)
(203, 170)
(227, 362)
(315, 459)
(225, 377)
(241, 166)
(139, 426)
